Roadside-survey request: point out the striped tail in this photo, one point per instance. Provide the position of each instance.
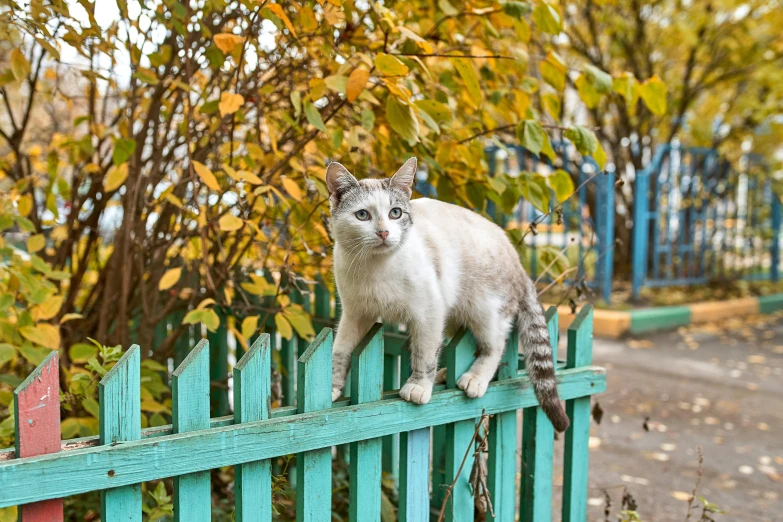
(534, 340)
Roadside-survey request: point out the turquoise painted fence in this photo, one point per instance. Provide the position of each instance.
(429, 442)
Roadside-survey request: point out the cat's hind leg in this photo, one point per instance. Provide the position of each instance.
(490, 329)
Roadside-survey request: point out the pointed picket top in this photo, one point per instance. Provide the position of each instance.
(119, 398)
(37, 409)
(367, 365)
(190, 390)
(315, 374)
(253, 370)
(580, 338)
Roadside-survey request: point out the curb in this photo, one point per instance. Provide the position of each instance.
(616, 324)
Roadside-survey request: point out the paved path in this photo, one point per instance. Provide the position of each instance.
(718, 387)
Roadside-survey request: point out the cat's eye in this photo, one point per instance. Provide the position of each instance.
(395, 213)
(362, 215)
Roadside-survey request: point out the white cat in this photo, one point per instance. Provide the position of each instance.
(432, 266)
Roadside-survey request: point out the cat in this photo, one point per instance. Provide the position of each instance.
(434, 267)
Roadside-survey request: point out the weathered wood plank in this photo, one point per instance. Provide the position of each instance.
(190, 412)
(538, 443)
(365, 470)
(502, 459)
(119, 396)
(314, 467)
(576, 455)
(86, 469)
(414, 475)
(459, 505)
(252, 397)
(37, 420)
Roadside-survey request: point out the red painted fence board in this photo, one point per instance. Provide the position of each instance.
(37, 414)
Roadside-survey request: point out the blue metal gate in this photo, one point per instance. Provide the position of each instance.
(697, 219)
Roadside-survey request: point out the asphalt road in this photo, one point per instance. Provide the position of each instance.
(718, 387)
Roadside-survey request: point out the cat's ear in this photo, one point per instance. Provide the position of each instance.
(338, 179)
(403, 178)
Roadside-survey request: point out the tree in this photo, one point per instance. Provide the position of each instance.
(172, 158)
(721, 61)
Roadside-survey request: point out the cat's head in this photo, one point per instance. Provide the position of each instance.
(371, 215)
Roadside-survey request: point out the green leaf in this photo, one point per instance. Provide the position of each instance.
(626, 86)
(337, 83)
(531, 136)
(653, 92)
(517, 10)
(436, 110)
(547, 18)
(296, 101)
(283, 327)
(368, 120)
(90, 405)
(533, 193)
(7, 353)
(34, 354)
(389, 65)
(587, 92)
(601, 81)
(204, 315)
(468, 73)
(314, 116)
(123, 149)
(20, 67)
(402, 119)
(561, 183)
(599, 156)
(81, 352)
(583, 139)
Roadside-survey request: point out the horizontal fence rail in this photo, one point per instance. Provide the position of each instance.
(124, 456)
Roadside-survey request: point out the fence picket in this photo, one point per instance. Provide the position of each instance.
(580, 353)
(391, 443)
(119, 396)
(459, 507)
(365, 473)
(37, 418)
(502, 461)
(252, 396)
(190, 394)
(538, 445)
(314, 468)
(414, 488)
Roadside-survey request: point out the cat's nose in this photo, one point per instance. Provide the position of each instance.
(383, 234)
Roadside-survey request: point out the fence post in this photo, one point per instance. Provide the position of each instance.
(414, 475)
(365, 472)
(774, 271)
(605, 268)
(37, 418)
(190, 412)
(641, 201)
(119, 394)
(576, 455)
(314, 468)
(252, 395)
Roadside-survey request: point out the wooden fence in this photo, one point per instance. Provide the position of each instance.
(433, 439)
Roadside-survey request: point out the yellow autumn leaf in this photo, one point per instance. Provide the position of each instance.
(230, 103)
(229, 223)
(46, 335)
(227, 41)
(36, 243)
(48, 308)
(206, 175)
(249, 326)
(356, 83)
(292, 188)
(25, 205)
(170, 278)
(70, 317)
(115, 177)
(277, 9)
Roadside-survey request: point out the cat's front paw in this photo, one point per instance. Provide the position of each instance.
(473, 385)
(336, 393)
(416, 392)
